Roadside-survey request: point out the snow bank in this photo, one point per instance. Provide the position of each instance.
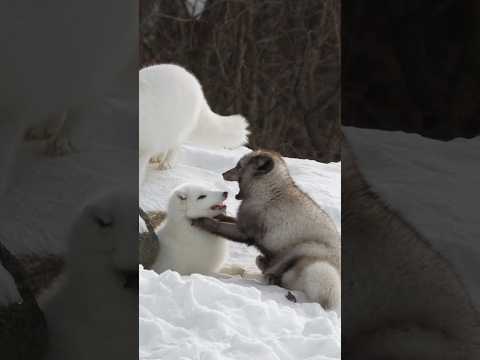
(433, 185)
(201, 317)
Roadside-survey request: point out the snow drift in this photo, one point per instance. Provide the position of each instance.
(202, 317)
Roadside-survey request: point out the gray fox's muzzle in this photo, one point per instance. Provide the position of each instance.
(231, 175)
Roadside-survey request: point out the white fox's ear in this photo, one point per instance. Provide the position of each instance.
(182, 196)
(100, 213)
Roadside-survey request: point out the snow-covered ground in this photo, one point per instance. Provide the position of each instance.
(202, 317)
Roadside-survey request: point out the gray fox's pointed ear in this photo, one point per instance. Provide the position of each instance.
(181, 195)
(263, 164)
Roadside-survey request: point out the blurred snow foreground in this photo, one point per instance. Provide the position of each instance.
(204, 317)
(433, 186)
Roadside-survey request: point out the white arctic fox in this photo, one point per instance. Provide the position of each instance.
(183, 247)
(173, 110)
(100, 282)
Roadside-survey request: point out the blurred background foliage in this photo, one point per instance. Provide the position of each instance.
(412, 66)
(277, 62)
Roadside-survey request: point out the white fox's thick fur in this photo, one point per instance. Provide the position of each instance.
(308, 280)
(83, 316)
(173, 110)
(183, 247)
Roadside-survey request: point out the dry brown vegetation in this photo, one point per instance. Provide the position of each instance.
(412, 66)
(277, 62)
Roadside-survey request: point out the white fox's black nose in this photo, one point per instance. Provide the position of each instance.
(225, 194)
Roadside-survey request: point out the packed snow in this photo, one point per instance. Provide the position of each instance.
(442, 204)
(222, 317)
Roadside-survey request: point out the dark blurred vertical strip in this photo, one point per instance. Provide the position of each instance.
(68, 179)
(411, 81)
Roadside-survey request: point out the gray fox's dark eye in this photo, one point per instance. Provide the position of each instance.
(201, 197)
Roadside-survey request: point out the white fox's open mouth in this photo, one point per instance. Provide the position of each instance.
(219, 207)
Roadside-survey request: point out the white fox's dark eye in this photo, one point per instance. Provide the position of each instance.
(201, 197)
(104, 223)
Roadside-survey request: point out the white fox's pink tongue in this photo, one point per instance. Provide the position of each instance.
(219, 207)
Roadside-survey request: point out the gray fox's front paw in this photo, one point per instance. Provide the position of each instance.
(205, 224)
